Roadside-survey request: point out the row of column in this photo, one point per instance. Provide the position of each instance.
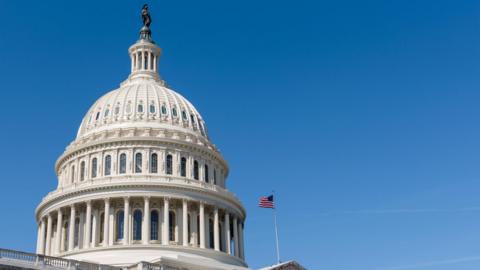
(143, 60)
(53, 240)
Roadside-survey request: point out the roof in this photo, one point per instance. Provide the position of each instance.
(289, 265)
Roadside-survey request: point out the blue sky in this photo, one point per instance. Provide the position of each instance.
(363, 116)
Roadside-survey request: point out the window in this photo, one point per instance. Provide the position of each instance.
(210, 233)
(184, 115)
(65, 239)
(108, 165)
(137, 225)
(205, 175)
(154, 225)
(82, 171)
(171, 228)
(140, 108)
(183, 167)
(107, 111)
(73, 174)
(154, 163)
(214, 176)
(117, 110)
(195, 170)
(164, 109)
(169, 164)
(120, 229)
(174, 112)
(152, 108)
(97, 116)
(128, 108)
(94, 167)
(188, 228)
(123, 163)
(76, 232)
(192, 119)
(102, 227)
(138, 163)
(220, 229)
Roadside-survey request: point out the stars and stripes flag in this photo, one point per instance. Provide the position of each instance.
(266, 202)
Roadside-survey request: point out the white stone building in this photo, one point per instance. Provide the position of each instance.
(143, 182)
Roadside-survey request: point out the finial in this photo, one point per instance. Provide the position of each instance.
(145, 32)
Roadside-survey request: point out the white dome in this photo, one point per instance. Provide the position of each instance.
(142, 103)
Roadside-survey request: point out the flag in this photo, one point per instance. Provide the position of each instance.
(266, 202)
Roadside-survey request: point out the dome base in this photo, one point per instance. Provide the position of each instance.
(178, 256)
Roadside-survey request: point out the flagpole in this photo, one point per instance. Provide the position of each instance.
(276, 230)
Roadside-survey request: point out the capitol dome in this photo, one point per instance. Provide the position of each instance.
(142, 182)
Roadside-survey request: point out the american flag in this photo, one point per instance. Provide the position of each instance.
(266, 202)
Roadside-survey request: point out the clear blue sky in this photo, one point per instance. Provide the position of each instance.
(362, 115)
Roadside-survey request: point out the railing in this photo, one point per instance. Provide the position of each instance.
(42, 260)
(151, 266)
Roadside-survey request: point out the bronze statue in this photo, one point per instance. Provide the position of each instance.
(147, 20)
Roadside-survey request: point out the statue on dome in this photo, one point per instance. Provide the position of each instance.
(147, 20)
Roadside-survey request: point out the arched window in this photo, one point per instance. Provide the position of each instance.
(154, 225)
(119, 223)
(65, 236)
(137, 225)
(138, 163)
(220, 229)
(174, 112)
(171, 228)
(164, 109)
(117, 110)
(183, 167)
(205, 175)
(184, 116)
(73, 173)
(210, 230)
(82, 170)
(152, 108)
(94, 167)
(214, 176)
(107, 111)
(189, 228)
(123, 163)
(140, 108)
(154, 163)
(169, 165)
(76, 233)
(97, 116)
(108, 165)
(195, 170)
(102, 226)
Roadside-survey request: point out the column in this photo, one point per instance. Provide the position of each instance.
(71, 228)
(235, 235)
(106, 218)
(49, 235)
(166, 222)
(155, 63)
(88, 229)
(146, 221)
(240, 240)
(185, 223)
(58, 240)
(202, 225)
(227, 233)
(216, 236)
(41, 249)
(94, 229)
(132, 60)
(126, 215)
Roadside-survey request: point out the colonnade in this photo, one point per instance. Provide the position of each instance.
(140, 221)
(143, 59)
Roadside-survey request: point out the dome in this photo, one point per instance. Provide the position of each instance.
(142, 103)
(142, 182)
